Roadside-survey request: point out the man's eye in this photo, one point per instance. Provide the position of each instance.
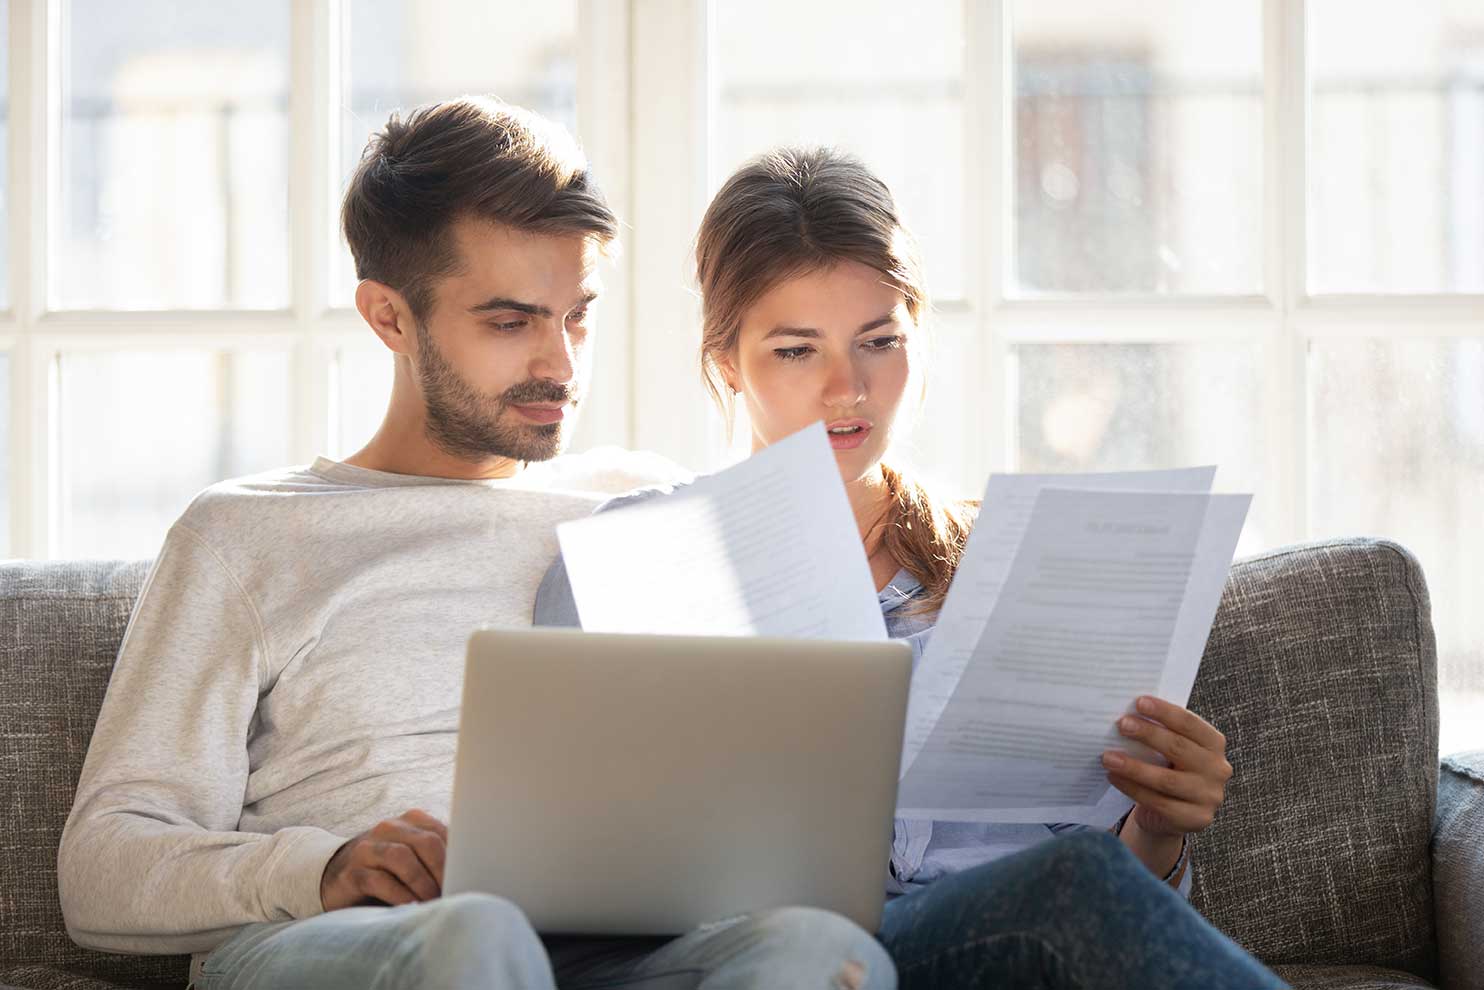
(792, 353)
(513, 325)
(577, 315)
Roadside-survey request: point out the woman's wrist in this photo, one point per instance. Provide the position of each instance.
(1161, 853)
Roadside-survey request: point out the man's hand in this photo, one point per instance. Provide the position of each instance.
(398, 861)
(1184, 796)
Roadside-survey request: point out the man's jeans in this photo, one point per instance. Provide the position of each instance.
(470, 941)
(1078, 911)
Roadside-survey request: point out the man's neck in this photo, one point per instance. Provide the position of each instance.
(408, 450)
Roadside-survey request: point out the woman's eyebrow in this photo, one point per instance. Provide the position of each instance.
(878, 323)
(782, 331)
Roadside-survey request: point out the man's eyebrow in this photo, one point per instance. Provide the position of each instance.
(514, 305)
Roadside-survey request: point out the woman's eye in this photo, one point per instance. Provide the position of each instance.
(792, 353)
(885, 343)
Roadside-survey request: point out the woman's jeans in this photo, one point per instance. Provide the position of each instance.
(1078, 911)
(1075, 911)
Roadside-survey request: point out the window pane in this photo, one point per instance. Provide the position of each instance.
(143, 432)
(174, 145)
(1411, 469)
(1128, 407)
(363, 386)
(1138, 146)
(1396, 167)
(404, 53)
(878, 78)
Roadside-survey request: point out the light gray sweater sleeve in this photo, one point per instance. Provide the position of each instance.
(151, 860)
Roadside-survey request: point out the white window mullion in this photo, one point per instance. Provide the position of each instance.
(988, 147)
(35, 70)
(1286, 266)
(670, 99)
(604, 51)
(316, 36)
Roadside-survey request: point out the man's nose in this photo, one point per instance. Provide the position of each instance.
(555, 360)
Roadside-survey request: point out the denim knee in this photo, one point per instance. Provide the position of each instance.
(812, 939)
(475, 940)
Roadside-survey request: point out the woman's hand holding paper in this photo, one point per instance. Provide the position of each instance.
(1180, 798)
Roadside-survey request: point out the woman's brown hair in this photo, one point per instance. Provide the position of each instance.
(793, 211)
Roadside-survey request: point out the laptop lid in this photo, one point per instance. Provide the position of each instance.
(624, 784)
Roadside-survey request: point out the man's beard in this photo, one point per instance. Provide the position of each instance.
(470, 424)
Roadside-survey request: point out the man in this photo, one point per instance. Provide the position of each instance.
(272, 765)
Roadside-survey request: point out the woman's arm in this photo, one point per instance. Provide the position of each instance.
(1172, 801)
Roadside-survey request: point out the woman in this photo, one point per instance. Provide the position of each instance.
(813, 307)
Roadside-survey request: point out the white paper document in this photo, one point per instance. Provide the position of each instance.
(1107, 595)
(768, 547)
(1003, 517)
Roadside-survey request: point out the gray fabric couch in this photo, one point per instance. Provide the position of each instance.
(1340, 858)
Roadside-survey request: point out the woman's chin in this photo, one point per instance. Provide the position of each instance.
(856, 464)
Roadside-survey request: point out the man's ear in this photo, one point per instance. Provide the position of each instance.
(386, 312)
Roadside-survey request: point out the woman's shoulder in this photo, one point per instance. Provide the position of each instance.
(640, 495)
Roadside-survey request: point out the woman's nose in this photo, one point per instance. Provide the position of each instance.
(845, 386)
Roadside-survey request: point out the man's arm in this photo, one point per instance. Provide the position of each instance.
(151, 860)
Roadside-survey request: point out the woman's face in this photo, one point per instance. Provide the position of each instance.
(827, 345)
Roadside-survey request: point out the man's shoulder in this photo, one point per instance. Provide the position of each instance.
(253, 494)
(610, 470)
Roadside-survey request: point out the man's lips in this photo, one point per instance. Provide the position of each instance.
(542, 414)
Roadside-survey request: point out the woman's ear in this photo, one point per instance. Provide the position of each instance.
(727, 365)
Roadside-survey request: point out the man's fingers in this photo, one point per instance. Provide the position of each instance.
(1182, 814)
(429, 845)
(381, 885)
(1183, 721)
(402, 862)
(426, 821)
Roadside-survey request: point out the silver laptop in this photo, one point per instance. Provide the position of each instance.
(643, 785)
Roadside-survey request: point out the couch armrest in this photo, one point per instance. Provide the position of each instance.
(1458, 871)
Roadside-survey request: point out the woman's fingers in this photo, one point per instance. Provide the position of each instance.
(1183, 722)
(1184, 815)
(1181, 785)
(1180, 750)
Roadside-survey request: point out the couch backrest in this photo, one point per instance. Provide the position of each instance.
(60, 627)
(1322, 671)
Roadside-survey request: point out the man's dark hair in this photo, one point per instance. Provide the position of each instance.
(465, 158)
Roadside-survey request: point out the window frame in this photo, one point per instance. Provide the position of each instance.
(646, 113)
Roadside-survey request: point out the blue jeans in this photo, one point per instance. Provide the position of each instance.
(476, 940)
(1079, 911)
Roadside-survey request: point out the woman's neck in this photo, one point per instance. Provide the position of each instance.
(870, 501)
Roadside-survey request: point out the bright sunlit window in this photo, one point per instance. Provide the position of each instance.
(1157, 233)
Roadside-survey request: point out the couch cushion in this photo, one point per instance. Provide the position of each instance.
(60, 627)
(1458, 871)
(1349, 978)
(1321, 670)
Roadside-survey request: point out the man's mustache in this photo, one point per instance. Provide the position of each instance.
(539, 390)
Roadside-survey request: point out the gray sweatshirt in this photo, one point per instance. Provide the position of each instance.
(290, 676)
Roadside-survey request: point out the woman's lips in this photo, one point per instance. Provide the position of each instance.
(542, 414)
(860, 429)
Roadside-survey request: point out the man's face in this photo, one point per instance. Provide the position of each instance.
(502, 356)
